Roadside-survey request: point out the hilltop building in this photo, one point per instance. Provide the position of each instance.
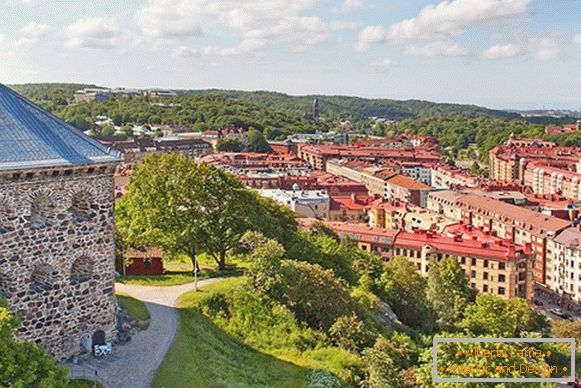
(56, 229)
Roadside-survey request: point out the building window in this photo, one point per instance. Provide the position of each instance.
(485, 288)
(42, 278)
(473, 274)
(81, 206)
(42, 207)
(485, 276)
(462, 260)
(501, 291)
(82, 270)
(485, 263)
(501, 278)
(473, 261)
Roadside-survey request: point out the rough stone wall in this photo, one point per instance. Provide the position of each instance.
(57, 254)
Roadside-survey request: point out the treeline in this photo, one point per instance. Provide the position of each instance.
(457, 134)
(357, 108)
(199, 112)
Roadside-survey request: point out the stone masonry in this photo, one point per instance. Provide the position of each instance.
(57, 253)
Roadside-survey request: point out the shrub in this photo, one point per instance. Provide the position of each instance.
(350, 333)
(323, 379)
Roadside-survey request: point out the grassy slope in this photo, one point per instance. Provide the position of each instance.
(203, 355)
(135, 308)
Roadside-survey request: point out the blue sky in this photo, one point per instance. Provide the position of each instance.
(498, 53)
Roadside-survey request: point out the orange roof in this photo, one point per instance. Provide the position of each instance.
(407, 182)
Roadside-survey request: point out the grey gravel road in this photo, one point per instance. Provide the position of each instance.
(134, 365)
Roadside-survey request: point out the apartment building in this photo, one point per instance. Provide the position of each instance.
(510, 222)
(491, 264)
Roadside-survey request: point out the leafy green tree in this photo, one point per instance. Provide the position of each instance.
(314, 294)
(566, 329)
(494, 316)
(23, 364)
(380, 368)
(163, 206)
(404, 289)
(350, 333)
(325, 250)
(448, 292)
(229, 144)
(257, 142)
(265, 258)
(189, 208)
(107, 130)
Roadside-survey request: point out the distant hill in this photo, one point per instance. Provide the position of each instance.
(331, 107)
(357, 108)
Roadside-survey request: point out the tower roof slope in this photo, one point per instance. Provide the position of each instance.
(31, 137)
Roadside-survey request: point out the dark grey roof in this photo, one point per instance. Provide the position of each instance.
(31, 137)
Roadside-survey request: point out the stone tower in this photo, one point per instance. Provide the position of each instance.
(315, 109)
(56, 228)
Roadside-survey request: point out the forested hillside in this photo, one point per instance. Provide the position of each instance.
(277, 115)
(357, 108)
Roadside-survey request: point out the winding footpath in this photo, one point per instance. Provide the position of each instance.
(134, 364)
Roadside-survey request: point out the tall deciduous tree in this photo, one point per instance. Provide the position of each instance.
(404, 289)
(190, 208)
(448, 292)
(493, 316)
(257, 142)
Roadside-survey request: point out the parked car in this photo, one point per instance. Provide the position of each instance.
(539, 303)
(558, 312)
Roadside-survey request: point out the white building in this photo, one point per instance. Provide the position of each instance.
(306, 203)
(564, 263)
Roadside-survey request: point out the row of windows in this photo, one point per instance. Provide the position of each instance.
(43, 208)
(44, 276)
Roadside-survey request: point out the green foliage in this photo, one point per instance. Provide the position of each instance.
(23, 364)
(261, 323)
(189, 208)
(326, 251)
(350, 333)
(404, 289)
(314, 294)
(257, 142)
(229, 144)
(323, 379)
(380, 368)
(497, 317)
(566, 329)
(448, 292)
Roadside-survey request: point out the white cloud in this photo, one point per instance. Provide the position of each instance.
(31, 33)
(93, 33)
(370, 35)
(544, 49)
(348, 6)
(452, 17)
(437, 49)
(186, 52)
(258, 23)
(578, 38)
(337, 25)
(383, 64)
(499, 51)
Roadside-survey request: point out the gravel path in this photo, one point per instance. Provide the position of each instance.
(134, 365)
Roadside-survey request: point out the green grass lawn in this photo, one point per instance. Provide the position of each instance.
(135, 308)
(179, 271)
(203, 355)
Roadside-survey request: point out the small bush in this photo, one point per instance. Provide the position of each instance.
(323, 379)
